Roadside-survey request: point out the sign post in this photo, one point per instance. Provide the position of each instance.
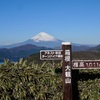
(68, 65)
(67, 71)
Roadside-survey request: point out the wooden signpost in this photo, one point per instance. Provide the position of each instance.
(68, 65)
(67, 71)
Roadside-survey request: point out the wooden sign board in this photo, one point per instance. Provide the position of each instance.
(86, 64)
(51, 55)
(67, 65)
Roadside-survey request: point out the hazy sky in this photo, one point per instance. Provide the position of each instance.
(76, 21)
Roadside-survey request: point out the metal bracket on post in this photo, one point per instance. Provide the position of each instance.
(67, 70)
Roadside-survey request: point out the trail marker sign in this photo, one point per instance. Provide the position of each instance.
(51, 55)
(67, 70)
(65, 56)
(67, 65)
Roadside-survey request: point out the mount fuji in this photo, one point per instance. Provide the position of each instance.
(45, 40)
(42, 36)
(42, 39)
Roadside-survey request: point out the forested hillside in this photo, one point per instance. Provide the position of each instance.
(86, 55)
(81, 55)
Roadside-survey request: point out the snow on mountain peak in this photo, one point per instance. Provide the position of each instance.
(42, 36)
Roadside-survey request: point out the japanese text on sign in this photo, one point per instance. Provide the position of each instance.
(67, 55)
(51, 54)
(86, 64)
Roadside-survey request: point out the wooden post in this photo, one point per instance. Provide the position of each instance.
(67, 70)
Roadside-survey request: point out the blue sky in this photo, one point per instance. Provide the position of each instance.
(76, 21)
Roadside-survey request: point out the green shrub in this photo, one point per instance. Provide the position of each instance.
(30, 81)
(23, 81)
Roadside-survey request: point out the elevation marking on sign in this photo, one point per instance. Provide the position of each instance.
(86, 64)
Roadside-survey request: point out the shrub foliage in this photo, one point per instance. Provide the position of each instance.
(23, 81)
(30, 81)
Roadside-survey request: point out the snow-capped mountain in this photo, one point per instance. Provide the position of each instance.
(44, 39)
(41, 39)
(42, 36)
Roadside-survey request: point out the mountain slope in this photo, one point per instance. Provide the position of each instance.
(44, 39)
(96, 48)
(80, 48)
(41, 39)
(19, 52)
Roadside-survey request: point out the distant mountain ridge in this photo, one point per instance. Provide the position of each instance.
(19, 52)
(24, 51)
(95, 49)
(41, 39)
(46, 40)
